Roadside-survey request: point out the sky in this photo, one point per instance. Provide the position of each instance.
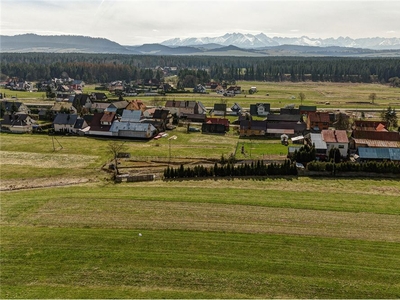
(136, 22)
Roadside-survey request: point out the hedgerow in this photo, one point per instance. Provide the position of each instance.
(257, 168)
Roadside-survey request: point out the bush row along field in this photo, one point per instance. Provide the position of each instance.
(339, 95)
(282, 237)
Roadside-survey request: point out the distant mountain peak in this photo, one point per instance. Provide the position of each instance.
(248, 41)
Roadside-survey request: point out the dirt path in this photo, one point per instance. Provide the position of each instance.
(11, 185)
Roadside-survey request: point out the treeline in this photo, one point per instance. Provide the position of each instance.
(370, 166)
(100, 68)
(258, 168)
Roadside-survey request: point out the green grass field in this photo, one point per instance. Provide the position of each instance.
(291, 237)
(275, 238)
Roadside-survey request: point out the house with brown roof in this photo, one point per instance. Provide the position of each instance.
(101, 124)
(370, 125)
(374, 139)
(107, 118)
(63, 107)
(318, 121)
(136, 105)
(234, 89)
(336, 139)
(215, 125)
(181, 108)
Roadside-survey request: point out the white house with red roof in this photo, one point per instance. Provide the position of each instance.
(336, 139)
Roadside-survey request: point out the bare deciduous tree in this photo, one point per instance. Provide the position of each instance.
(115, 147)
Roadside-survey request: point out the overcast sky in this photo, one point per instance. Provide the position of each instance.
(135, 22)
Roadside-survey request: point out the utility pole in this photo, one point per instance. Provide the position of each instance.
(174, 137)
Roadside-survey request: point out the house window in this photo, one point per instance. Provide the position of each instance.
(341, 146)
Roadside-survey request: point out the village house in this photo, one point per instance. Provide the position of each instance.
(236, 108)
(252, 128)
(101, 124)
(321, 149)
(10, 107)
(219, 109)
(17, 123)
(130, 126)
(318, 121)
(98, 97)
(82, 103)
(291, 125)
(181, 108)
(336, 139)
(68, 123)
(63, 107)
(234, 89)
(99, 107)
(117, 106)
(200, 89)
(107, 118)
(260, 109)
(374, 139)
(136, 105)
(367, 125)
(77, 85)
(159, 118)
(64, 92)
(215, 125)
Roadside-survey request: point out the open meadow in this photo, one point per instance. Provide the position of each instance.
(68, 231)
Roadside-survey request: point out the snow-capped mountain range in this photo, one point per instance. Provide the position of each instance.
(250, 41)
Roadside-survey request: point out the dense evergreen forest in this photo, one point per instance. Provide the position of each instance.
(101, 68)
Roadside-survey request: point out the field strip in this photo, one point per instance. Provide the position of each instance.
(46, 160)
(215, 217)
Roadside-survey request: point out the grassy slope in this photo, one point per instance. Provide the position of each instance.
(203, 239)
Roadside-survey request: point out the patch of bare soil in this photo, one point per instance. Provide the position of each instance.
(10, 185)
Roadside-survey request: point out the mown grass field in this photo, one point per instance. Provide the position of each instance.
(227, 238)
(272, 238)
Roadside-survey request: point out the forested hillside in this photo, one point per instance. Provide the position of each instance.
(95, 68)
